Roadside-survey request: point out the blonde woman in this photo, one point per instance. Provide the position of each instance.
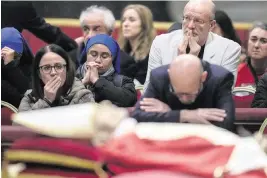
(136, 35)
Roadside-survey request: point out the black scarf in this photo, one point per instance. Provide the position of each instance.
(201, 53)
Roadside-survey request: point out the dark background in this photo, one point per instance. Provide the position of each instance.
(72, 9)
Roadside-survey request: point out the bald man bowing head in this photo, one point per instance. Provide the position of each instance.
(188, 90)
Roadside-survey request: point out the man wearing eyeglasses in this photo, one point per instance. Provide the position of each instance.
(195, 38)
(203, 97)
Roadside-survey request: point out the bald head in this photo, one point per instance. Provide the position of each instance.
(186, 76)
(208, 5)
(186, 64)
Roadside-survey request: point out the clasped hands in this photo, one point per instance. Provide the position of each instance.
(201, 116)
(91, 75)
(191, 41)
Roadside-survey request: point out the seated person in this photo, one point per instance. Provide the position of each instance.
(256, 63)
(23, 15)
(224, 26)
(99, 20)
(260, 98)
(255, 66)
(135, 38)
(101, 71)
(16, 59)
(54, 82)
(188, 90)
(195, 38)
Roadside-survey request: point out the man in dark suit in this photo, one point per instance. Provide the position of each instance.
(188, 90)
(22, 15)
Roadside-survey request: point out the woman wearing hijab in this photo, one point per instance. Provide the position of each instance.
(100, 73)
(16, 60)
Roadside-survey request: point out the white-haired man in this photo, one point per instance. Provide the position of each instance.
(99, 20)
(195, 38)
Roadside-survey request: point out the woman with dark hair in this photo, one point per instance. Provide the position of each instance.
(224, 26)
(54, 82)
(16, 59)
(101, 72)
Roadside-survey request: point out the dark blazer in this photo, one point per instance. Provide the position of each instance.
(22, 15)
(260, 97)
(215, 94)
(14, 83)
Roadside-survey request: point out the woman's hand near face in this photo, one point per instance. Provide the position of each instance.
(86, 78)
(94, 76)
(51, 88)
(7, 55)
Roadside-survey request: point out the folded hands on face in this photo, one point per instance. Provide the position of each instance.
(91, 75)
(190, 41)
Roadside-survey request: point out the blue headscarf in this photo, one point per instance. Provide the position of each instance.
(12, 38)
(110, 43)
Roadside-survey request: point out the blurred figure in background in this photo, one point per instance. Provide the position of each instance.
(22, 15)
(16, 61)
(97, 20)
(224, 27)
(260, 98)
(256, 62)
(254, 66)
(100, 73)
(54, 82)
(136, 35)
(175, 26)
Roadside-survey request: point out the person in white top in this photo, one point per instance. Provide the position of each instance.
(195, 38)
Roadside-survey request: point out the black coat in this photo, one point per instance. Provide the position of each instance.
(122, 95)
(215, 94)
(137, 69)
(14, 83)
(22, 15)
(260, 97)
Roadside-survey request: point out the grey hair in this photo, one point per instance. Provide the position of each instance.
(109, 18)
(260, 25)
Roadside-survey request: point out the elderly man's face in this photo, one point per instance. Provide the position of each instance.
(257, 44)
(197, 18)
(187, 90)
(92, 25)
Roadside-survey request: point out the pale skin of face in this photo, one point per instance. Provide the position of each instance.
(200, 11)
(99, 60)
(257, 44)
(131, 24)
(92, 25)
(51, 59)
(55, 79)
(196, 25)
